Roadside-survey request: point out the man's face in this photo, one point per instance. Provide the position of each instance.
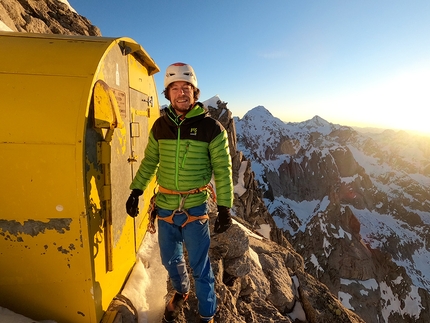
(181, 96)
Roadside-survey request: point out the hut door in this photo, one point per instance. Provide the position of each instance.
(139, 131)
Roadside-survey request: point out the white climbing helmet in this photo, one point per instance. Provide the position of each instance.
(180, 72)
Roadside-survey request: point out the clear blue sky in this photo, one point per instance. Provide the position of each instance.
(352, 62)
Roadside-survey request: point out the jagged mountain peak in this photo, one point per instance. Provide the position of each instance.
(258, 112)
(317, 121)
(262, 116)
(316, 124)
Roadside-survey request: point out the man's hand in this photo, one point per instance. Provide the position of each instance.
(223, 220)
(132, 204)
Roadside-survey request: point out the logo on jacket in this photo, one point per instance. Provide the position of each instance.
(193, 132)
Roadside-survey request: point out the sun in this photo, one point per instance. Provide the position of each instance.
(400, 101)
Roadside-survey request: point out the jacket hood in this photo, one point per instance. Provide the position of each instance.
(197, 112)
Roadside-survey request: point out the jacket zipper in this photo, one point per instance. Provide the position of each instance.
(185, 154)
(178, 140)
(178, 146)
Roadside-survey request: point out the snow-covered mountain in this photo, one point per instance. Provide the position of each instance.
(355, 206)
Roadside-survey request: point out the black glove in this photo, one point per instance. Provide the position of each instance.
(223, 220)
(133, 202)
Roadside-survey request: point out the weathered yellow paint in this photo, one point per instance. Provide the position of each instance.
(66, 242)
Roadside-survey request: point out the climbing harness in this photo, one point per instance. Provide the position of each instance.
(183, 194)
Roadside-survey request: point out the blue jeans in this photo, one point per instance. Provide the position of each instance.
(196, 237)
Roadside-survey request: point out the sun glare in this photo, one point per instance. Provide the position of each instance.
(403, 101)
(400, 102)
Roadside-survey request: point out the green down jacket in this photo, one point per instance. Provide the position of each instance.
(184, 154)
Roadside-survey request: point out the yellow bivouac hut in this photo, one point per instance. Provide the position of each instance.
(75, 113)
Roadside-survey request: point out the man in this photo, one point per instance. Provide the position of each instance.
(185, 148)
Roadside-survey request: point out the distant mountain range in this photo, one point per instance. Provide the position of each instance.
(355, 205)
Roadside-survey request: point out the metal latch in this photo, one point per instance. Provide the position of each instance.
(149, 101)
(132, 159)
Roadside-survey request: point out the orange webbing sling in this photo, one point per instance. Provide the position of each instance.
(184, 195)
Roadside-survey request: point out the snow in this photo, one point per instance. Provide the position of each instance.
(425, 216)
(264, 230)
(239, 188)
(420, 178)
(254, 256)
(314, 261)
(304, 210)
(297, 312)
(68, 4)
(342, 233)
(349, 179)
(146, 286)
(398, 280)
(327, 247)
(323, 226)
(412, 305)
(345, 298)
(212, 102)
(374, 226)
(370, 284)
(4, 27)
(247, 231)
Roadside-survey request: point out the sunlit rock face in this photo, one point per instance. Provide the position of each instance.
(46, 17)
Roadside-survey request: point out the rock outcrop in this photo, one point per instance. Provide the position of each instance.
(45, 17)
